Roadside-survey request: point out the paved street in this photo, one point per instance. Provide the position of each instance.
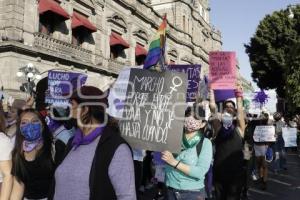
(282, 186)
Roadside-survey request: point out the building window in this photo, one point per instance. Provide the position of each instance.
(47, 24)
(82, 29)
(116, 51)
(140, 54)
(183, 22)
(117, 45)
(78, 36)
(51, 15)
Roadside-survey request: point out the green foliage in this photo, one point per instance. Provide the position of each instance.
(293, 78)
(274, 54)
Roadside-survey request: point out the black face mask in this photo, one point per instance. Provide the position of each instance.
(71, 123)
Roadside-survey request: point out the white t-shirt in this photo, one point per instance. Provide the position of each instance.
(6, 147)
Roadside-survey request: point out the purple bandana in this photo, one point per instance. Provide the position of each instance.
(53, 125)
(80, 139)
(29, 146)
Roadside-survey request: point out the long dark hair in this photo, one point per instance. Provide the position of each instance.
(18, 167)
(2, 123)
(94, 112)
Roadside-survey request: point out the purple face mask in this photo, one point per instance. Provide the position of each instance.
(29, 146)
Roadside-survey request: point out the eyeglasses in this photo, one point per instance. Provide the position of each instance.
(229, 106)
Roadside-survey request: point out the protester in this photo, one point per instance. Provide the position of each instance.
(33, 166)
(59, 127)
(279, 162)
(6, 146)
(260, 149)
(14, 108)
(138, 157)
(297, 120)
(159, 176)
(248, 158)
(98, 164)
(147, 180)
(293, 124)
(185, 174)
(228, 160)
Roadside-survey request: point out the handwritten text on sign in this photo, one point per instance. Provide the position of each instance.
(61, 86)
(152, 110)
(264, 134)
(193, 72)
(289, 136)
(222, 70)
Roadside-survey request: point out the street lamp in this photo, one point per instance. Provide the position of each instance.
(30, 74)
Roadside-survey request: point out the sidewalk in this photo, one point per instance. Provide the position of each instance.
(282, 186)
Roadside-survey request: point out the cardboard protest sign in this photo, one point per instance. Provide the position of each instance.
(154, 109)
(222, 95)
(193, 72)
(264, 134)
(61, 85)
(289, 136)
(222, 70)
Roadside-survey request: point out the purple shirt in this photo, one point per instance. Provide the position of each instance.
(72, 176)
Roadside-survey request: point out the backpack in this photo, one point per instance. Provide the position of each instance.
(208, 181)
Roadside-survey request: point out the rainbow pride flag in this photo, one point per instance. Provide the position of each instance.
(157, 46)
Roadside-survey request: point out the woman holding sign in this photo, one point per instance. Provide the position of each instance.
(185, 173)
(228, 167)
(260, 149)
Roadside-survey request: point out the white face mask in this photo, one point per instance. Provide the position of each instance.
(293, 124)
(227, 120)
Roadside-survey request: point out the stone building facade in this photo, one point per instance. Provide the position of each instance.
(99, 37)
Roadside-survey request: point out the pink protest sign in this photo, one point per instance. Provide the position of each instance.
(222, 70)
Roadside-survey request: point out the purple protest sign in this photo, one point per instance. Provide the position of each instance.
(221, 95)
(193, 72)
(61, 85)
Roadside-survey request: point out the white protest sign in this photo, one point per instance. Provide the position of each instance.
(117, 94)
(289, 136)
(264, 134)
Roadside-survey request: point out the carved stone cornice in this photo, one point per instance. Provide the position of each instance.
(17, 47)
(141, 34)
(118, 22)
(173, 53)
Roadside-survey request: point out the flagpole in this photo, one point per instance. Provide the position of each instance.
(163, 39)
